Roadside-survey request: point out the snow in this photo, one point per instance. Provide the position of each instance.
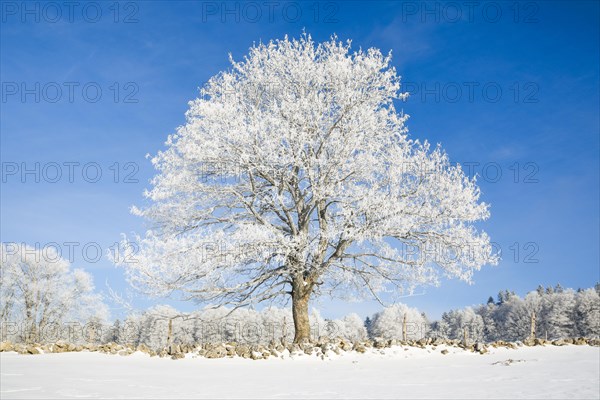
(535, 372)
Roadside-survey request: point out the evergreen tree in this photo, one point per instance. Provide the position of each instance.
(540, 290)
(587, 313)
(558, 288)
(368, 325)
(489, 324)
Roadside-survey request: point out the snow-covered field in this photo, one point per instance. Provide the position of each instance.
(534, 372)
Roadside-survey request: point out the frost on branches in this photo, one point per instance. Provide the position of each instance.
(39, 291)
(294, 175)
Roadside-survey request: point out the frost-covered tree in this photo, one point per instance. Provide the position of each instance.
(514, 316)
(39, 288)
(294, 176)
(278, 323)
(162, 325)
(466, 320)
(504, 296)
(587, 311)
(131, 332)
(440, 329)
(351, 327)
(113, 332)
(558, 314)
(154, 327)
(389, 323)
(486, 311)
(552, 312)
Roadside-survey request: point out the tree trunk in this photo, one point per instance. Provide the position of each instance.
(170, 333)
(300, 298)
(532, 328)
(404, 335)
(29, 322)
(283, 331)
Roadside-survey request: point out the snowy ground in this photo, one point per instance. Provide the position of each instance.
(536, 372)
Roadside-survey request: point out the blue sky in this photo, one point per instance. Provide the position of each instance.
(509, 88)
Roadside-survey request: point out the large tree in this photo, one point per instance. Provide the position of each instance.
(294, 176)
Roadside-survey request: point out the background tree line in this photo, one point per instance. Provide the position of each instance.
(40, 293)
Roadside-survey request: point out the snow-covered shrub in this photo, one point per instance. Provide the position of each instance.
(278, 324)
(388, 323)
(351, 327)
